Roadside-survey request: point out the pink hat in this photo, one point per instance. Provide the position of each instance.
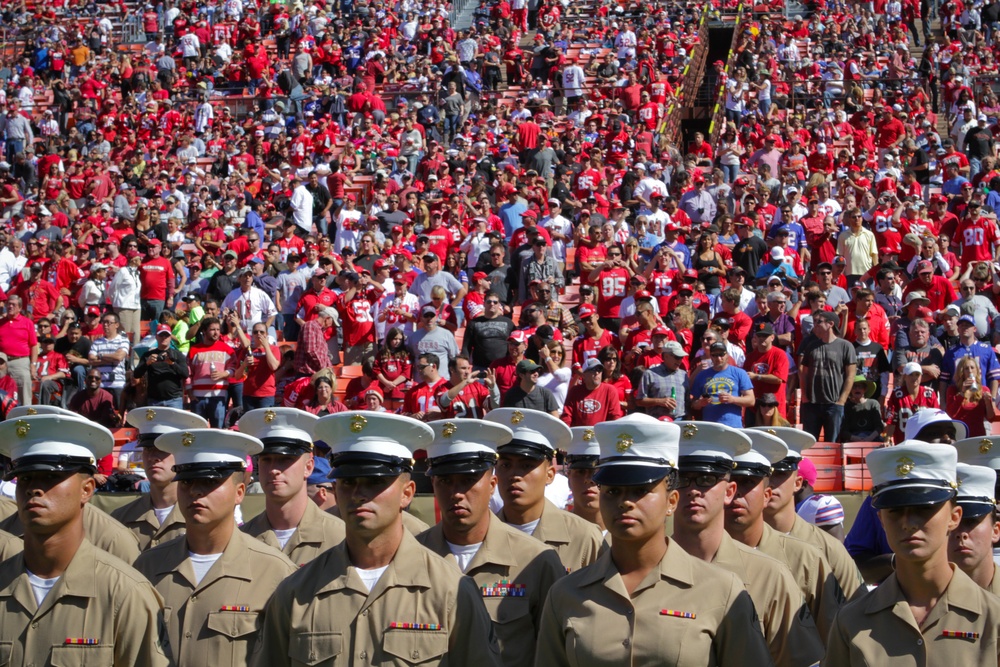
(807, 471)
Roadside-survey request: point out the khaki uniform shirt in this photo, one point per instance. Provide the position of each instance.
(509, 556)
(577, 541)
(9, 546)
(995, 583)
(879, 629)
(139, 517)
(811, 571)
(411, 523)
(100, 612)
(316, 532)
(214, 623)
(788, 626)
(7, 507)
(420, 611)
(844, 568)
(686, 613)
(101, 530)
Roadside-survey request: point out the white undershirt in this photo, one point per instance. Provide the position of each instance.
(526, 528)
(41, 587)
(201, 564)
(370, 577)
(162, 514)
(464, 553)
(284, 535)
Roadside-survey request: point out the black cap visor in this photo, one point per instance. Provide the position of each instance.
(531, 450)
(709, 464)
(582, 462)
(363, 464)
(788, 464)
(46, 463)
(207, 470)
(462, 464)
(923, 494)
(974, 508)
(286, 446)
(626, 474)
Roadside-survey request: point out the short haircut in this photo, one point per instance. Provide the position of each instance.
(430, 358)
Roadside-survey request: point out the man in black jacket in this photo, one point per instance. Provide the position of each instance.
(167, 369)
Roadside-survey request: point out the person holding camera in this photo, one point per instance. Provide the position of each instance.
(167, 370)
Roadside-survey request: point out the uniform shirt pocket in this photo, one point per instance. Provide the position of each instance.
(315, 648)
(413, 647)
(5, 651)
(507, 610)
(82, 655)
(233, 623)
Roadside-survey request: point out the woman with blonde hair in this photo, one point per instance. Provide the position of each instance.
(967, 400)
(766, 412)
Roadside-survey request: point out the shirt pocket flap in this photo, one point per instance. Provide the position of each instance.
(233, 623)
(82, 655)
(313, 648)
(5, 651)
(507, 609)
(415, 646)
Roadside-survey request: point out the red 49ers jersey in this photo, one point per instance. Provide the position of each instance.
(468, 404)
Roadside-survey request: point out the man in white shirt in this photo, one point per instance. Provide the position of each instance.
(251, 304)
(302, 206)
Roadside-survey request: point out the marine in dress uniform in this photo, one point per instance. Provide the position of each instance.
(581, 463)
(646, 601)
(378, 597)
(154, 517)
(62, 600)
(290, 522)
(512, 570)
(970, 546)
(214, 579)
(524, 469)
(707, 457)
(745, 524)
(102, 531)
(780, 510)
(913, 490)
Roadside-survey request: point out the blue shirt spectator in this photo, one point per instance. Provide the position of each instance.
(711, 383)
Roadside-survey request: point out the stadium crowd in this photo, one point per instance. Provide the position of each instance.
(364, 253)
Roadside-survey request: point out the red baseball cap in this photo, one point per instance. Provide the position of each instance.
(643, 294)
(518, 336)
(164, 328)
(586, 310)
(93, 310)
(479, 275)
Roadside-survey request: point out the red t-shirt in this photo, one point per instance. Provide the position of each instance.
(773, 362)
(157, 277)
(423, 397)
(586, 407)
(469, 402)
(260, 378)
(612, 287)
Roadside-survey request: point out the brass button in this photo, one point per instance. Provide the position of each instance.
(415, 655)
(363, 655)
(626, 643)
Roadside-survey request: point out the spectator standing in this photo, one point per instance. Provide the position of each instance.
(52, 371)
(663, 390)
(157, 281)
(211, 362)
(433, 339)
(312, 354)
(422, 401)
(968, 400)
(301, 205)
(826, 373)
(124, 294)
(108, 354)
(486, 336)
(592, 401)
(722, 391)
(398, 309)
(767, 365)
(611, 279)
(857, 245)
(465, 396)
(19, 341)
(355, 306)
(969, 346)
(250, 304)
(527, 394)
(434, 276)
(165, 369)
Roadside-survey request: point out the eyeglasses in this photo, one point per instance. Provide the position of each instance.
(493, 302)
(108, 322)
(702, 481)
(496, 254)
(254, 240)
(717, 355)
(422, 366)
(614, 254)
